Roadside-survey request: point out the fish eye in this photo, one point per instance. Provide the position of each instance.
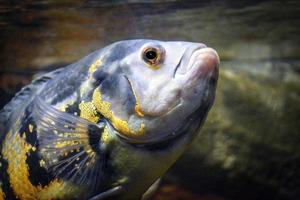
(153, 56)
(150, 55)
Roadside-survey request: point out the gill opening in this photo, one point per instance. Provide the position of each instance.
(137, 107)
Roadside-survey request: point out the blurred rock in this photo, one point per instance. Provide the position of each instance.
(10, 84)
(175, 192)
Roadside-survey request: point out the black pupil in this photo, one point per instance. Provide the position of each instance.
(151, 55)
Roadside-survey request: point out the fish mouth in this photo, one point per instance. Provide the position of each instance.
(198, 63)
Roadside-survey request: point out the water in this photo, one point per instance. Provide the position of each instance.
(248, 148)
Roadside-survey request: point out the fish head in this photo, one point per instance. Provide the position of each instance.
(156, 90)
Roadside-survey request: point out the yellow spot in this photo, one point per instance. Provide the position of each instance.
(55, 190)
(33, 148)
(121, 125)
(2, 195)
(30, 127)
(42, 163)
(63, 107)
(154, 67)
(138, 111)
(98, 62)
(88, 111)
(69, 140)
(86, 86)
(105, 135)
(15, 151)
(95, 66)
(66, 143)
(92, 68)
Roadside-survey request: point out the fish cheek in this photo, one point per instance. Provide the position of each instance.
(115, 101)
(116, 90)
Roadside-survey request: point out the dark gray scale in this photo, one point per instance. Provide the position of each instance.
(74, 108)
(66, 83)
(98, 77)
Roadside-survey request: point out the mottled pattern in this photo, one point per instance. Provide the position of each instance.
(82, 131)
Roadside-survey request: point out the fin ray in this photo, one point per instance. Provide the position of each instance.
(66, 146)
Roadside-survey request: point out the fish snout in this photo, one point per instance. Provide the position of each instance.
(200, 64)
(207, 62)
(203, 63)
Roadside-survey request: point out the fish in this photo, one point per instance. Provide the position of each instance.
(109, 125)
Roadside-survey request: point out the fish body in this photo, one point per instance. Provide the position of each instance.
(107, 126)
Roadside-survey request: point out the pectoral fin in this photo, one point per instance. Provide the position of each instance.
(151, 191)
(70, 146)
(108, 194)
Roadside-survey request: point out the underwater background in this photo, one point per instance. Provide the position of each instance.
(249, 147)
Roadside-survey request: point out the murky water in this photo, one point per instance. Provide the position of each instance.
(249, 147)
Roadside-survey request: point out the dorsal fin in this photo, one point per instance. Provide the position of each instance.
(22, 99)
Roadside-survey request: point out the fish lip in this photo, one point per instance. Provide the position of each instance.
(209, 57)
(205, 53)
(187, 56)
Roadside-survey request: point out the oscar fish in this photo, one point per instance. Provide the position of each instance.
(109, 125)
